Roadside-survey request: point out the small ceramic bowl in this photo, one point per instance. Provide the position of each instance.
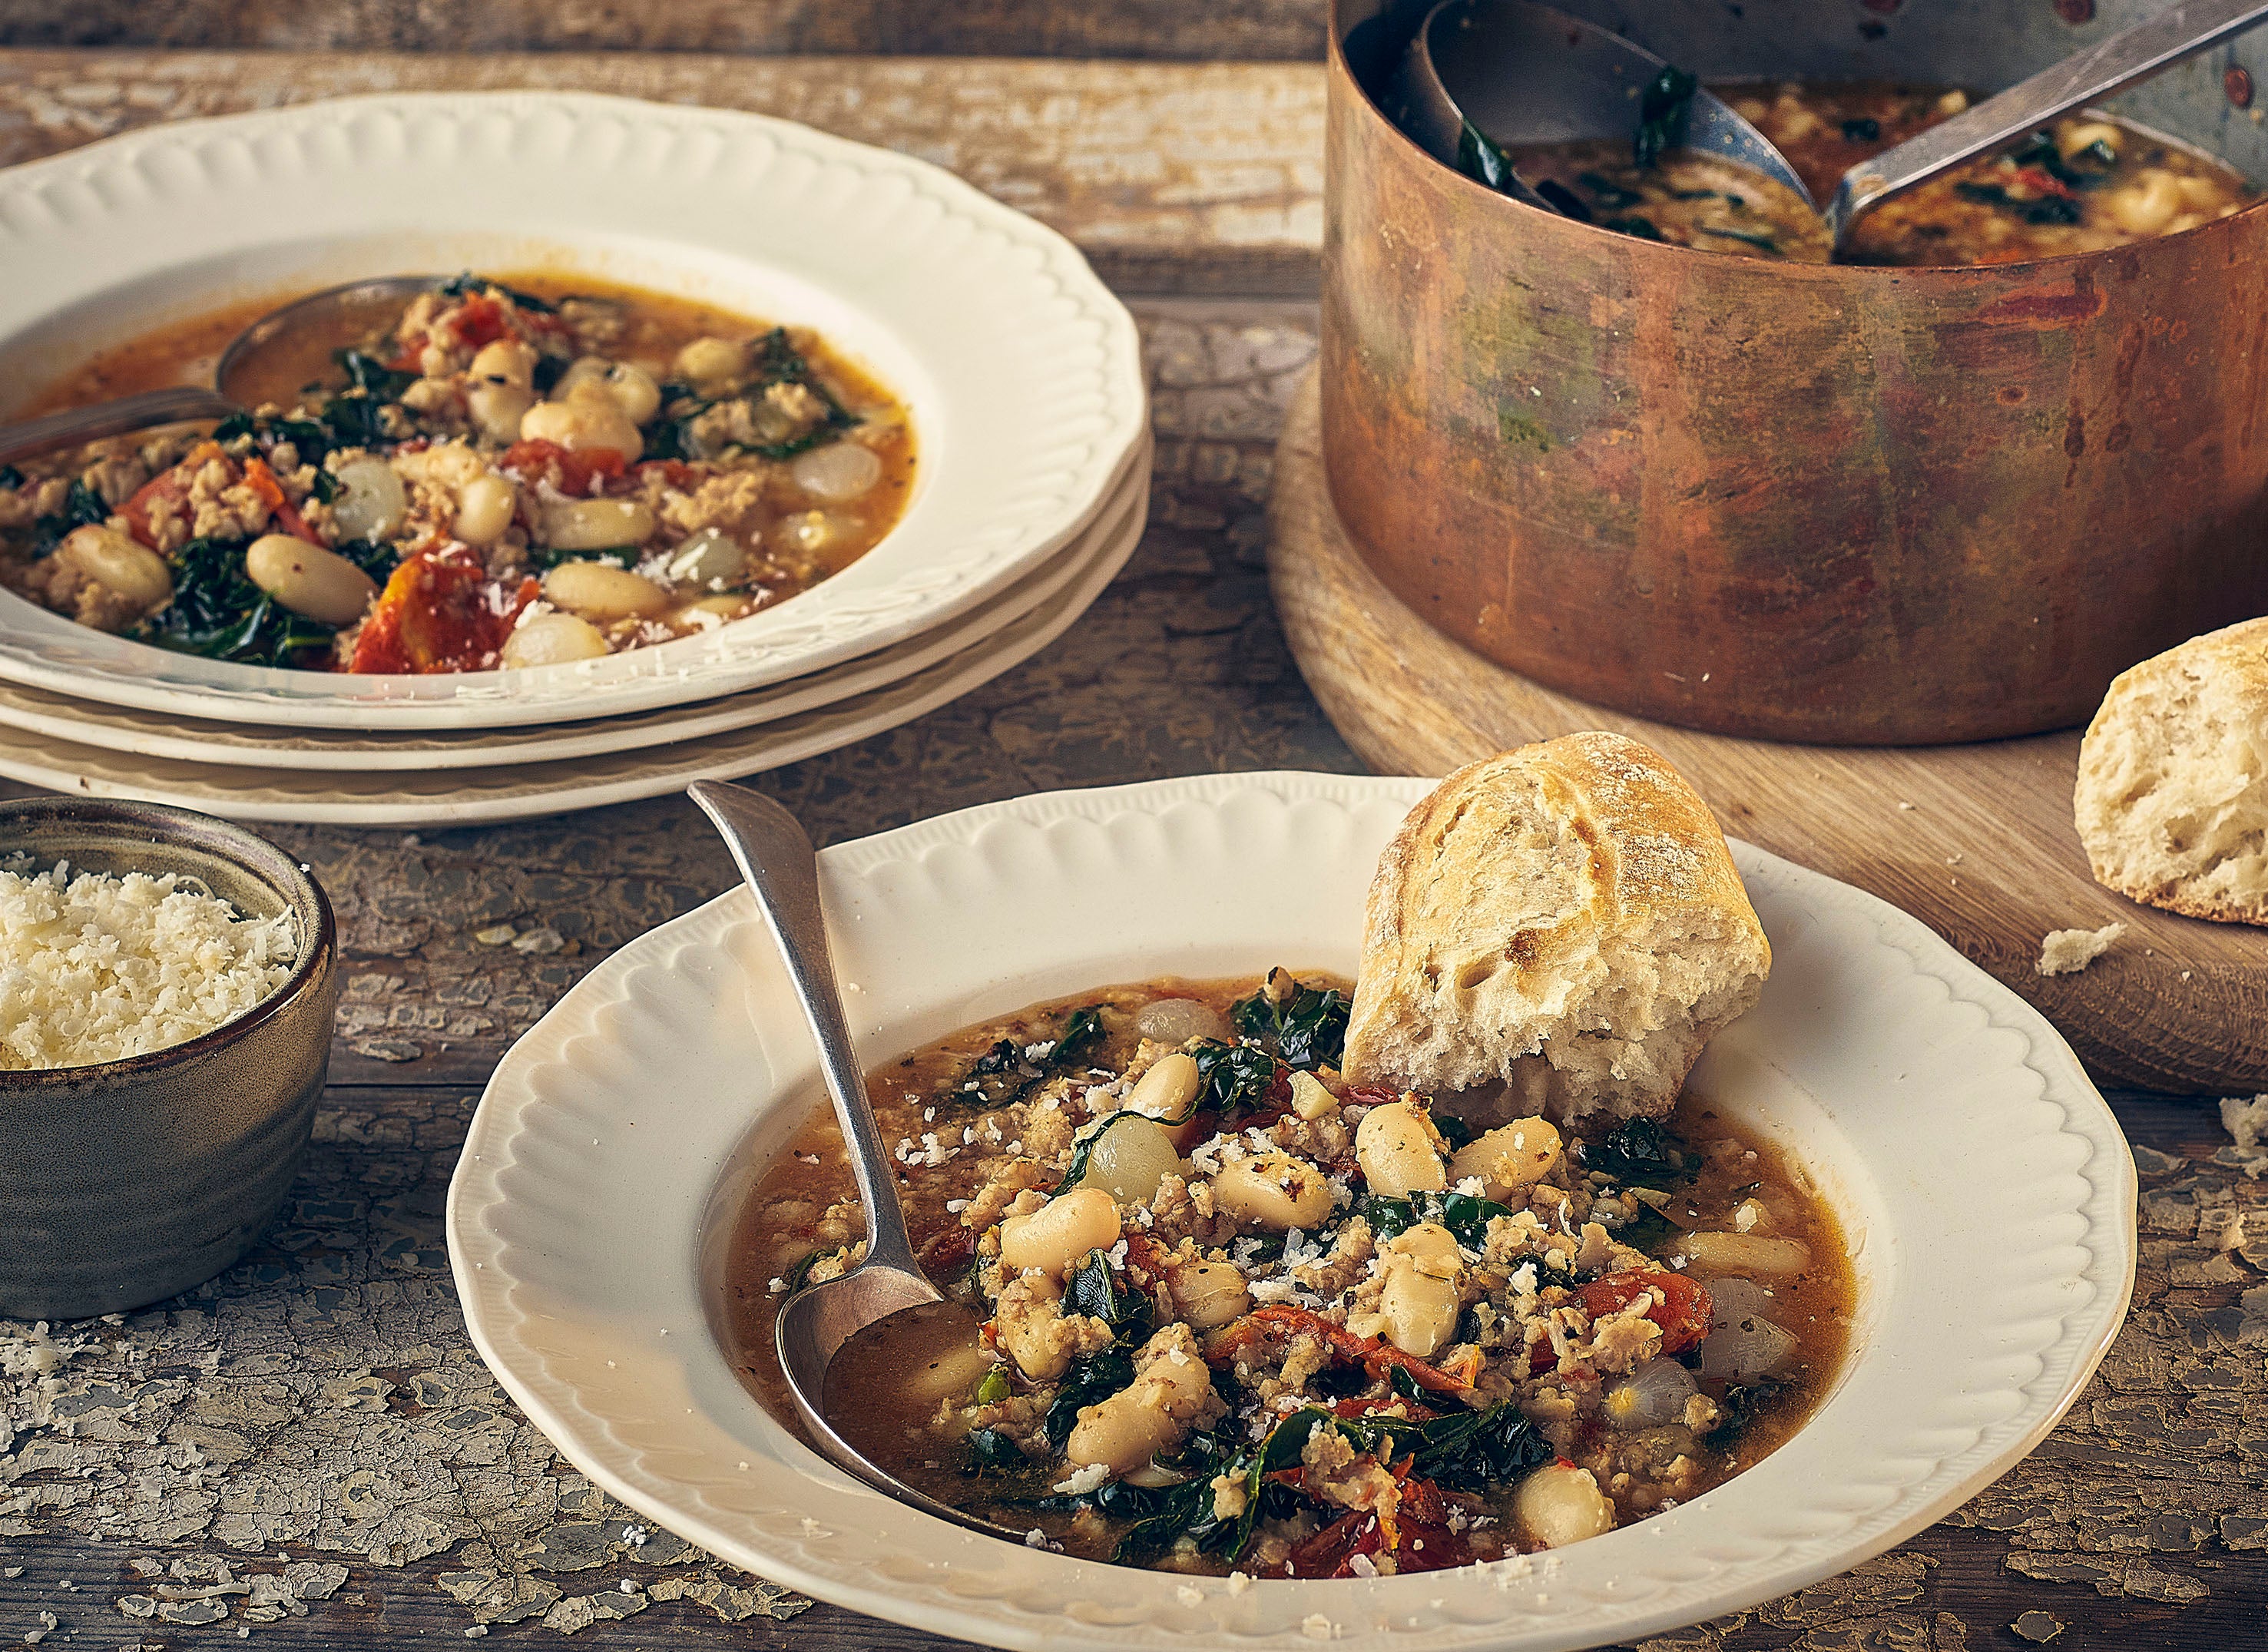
(124, 1182)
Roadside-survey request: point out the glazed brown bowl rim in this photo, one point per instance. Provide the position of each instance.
(1771, 268)
(250, 853)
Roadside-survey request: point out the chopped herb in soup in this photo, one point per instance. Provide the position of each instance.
(489, 474)
(1211, 1307)
(2088, 182)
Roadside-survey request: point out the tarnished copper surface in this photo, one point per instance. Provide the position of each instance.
(1847, 505)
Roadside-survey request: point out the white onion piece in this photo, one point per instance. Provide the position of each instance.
(1649, 1397)
(1748, 1348)
(708, 558)
(1730, 1299)
(1130, 1158)
(1175, 1020)
(837, 472)
(370, 499)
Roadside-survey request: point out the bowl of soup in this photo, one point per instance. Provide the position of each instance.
(1662, 456)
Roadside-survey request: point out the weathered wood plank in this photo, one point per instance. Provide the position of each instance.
(1128, 28)
(1170, 177)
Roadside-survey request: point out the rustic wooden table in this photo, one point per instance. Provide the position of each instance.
(308, 1453)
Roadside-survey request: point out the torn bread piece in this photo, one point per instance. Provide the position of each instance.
(2068, 951)
(1563, 920)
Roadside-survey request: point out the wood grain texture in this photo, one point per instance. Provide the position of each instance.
(1066, 28)
(1977, 840)
(1184, 178)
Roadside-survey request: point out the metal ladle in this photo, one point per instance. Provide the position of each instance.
(239, 379)
(1524, 73)
(775, 859)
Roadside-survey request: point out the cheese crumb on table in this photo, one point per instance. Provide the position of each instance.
(2068, 951)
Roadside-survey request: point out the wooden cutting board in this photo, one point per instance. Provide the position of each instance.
(1975, 840)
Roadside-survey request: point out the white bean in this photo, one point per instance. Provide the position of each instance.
(501, 411)
(1167, 1088)
(1747, 1252)
(587, 420)
(1024, 1320)
(600, 591)
(1053, 1237)
(2144, 206)
(1420, 1310)
(118, 563)
(710, 361)
(370, 499)
(1394, 1145)
(1130, 1158)
(1511, 1157)
(504, 361)
(1560, 1504)
(1139, 1422)
(308, 579)
(485, 510)
(594, 524)
(1273, 1189)
(837, 472)
(552, 639)
(632, 388)
(1208, 1293)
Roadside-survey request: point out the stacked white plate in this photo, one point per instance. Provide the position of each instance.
(1021, 372)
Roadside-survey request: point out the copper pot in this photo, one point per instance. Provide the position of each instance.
(1847, 505)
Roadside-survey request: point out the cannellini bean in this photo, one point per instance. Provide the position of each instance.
(837, 472)
(1311, 1098)
(594, 524)
(1053, 1237)
(1420, 1312)
(370, 499)
(632, 388)
(1024, 1322)
(504, 361)
(1273, 1189)
(1150, 1415)
(1511, 1157)
(118, 563)
(600, 591)
(588, 419)
(709, 558)
(2144, 206)
(485, 509)
(308, 579)
(552, 639)
(1395, 1145)
(1429, 1248)
(949, 1376)
(710, 361)
(501, 411)
(1747, 1253)
(1167, 1088)
(1560, 1504)
(1131, 1157)
(1208, 1293)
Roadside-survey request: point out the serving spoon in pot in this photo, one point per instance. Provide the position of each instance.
(1522, 73)
(782, 872)
(269, 361)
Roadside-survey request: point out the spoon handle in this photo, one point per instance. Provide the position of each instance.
(2108, 67)
(110, 418)
(776, 858)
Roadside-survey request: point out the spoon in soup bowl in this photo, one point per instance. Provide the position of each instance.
(267, 362)
(782, 872)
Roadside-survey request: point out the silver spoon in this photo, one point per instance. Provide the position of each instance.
(322, 317)
(2100, 71)
(776, 858)
(1522, 73)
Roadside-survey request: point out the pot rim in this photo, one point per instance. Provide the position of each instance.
(136, 822)
(1339, 69)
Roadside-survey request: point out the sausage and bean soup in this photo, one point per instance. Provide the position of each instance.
(1211, 1307)
(2088, 182)
(489, 475)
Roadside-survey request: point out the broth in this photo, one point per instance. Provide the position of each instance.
(1577, 1341)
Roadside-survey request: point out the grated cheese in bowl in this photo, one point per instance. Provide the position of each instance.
(96, 968)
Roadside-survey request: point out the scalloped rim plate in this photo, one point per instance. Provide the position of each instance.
(1021, 372)
(1987, 1190)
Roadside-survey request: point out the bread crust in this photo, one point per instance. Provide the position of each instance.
(1566, 919)
(2162, 801)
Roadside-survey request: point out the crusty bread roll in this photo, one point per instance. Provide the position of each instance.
(1564, 919)
(2172, 799)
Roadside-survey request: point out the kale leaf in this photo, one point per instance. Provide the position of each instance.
(216, 611)
(10, 478)
(1664, 109)
(465, 285)
(1235, 1078)
(1640, 1152)
(82, 508)
(1306, 1024)
(1742, 1403)
(1466, 1215)
(1481, 158)
(992, 1452)
(1013, 1068)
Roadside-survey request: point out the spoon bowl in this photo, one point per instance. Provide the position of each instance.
(271, 360)
(776, 861)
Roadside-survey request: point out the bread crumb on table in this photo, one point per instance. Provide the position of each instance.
(2068, 951)
(2248, 1123)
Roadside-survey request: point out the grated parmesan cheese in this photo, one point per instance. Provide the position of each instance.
(95, 968)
